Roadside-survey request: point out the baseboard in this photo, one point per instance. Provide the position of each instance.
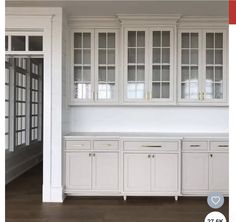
(22, 167)
(54, 194)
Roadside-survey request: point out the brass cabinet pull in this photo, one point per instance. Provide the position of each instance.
(194, 145)
(152, 146)
(223, 145)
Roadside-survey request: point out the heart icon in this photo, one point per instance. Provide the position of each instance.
(215, 199)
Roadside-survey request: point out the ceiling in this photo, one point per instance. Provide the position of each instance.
(113, 7)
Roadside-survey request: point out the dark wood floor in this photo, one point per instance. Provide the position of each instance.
(23, 204)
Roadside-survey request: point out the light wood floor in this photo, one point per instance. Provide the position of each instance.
(23, 204)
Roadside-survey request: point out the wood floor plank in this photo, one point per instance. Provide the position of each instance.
(23, 204)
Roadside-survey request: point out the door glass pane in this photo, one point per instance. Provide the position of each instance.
(219, 40)
(194, 40)
(166, 39)
(18, 43)
(141, 39)
(77, 40)
(210, 40)
(86, 40)
(156, 39)
(35, 43)
(102, 40)
(111, 40)
(185, 40)
(131, 39)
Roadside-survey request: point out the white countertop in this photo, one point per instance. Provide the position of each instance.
(117, 135)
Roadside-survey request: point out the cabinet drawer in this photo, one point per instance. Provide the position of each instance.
(78, 145)
(106, 145)
(196, 146)
(150, 145)
(219, 145)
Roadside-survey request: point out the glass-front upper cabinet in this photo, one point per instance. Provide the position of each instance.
(214, 81)
(106, 65)
(161, 79)
(202, 66)
(94, 74)
(136, 78)
(148, 63)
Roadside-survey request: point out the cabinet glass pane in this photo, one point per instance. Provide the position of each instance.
(210, 57)
(156, 90)
(77, 74)
(6, 43)
(156, 39)
(156, 73)
(218, 91)
(102, 74)
(111, 74)
(86, 74)
(131, 73)
(185, 74)
(106, 91)
(18, 43)
(86, 56)
(218, 40)
(135, 90)
(194, 74)
(185, 90)
(77, 56)
(156, 55)
(185, 40)
(111, 40)
(35, 43)
(165, 55)
(111, 56)
(102, 56)
(219, 57)
(194, 57)
(166, 39)
(140, 55)
(165, 73)
(102, 40)
(185, 56)
(86, 40)
(77, 40)
(141, 39)
(210, 40)
(140, 73)
(165, 90)
(193, 90)
(194, 40)
(209, 90)
(131, 55)
(218, 74)
(209, 74)
(131, 39)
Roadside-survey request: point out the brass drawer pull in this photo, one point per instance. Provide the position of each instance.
(223, 145)
(152, 146)
(195, 145)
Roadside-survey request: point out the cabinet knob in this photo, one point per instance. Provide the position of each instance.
(90, 154)
(153, 156)
(211, 155)
(149, 156)
(94, 154)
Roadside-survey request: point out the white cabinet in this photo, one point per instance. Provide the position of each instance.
(78, 171)
(105, 171)
(137, 173)
(156, 173)
(148, 65)
(205, 171)
(165, 172)
(202, 66)
(219, 172)
(195, 172)
(94, 66)
(92, 171)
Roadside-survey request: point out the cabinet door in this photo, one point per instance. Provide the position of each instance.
(83, 66)
(165, 172)
(219, 172)
(78, 171)
(214, 79)
(195, 172)
(161, 79)
(105, 171)
(106, 65)
(189, 66)
(137, 172)
(135, 65)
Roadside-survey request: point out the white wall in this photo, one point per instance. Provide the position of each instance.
(149, 119)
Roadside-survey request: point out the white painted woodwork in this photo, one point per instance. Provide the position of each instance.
(219, 172)
(105, 171)
(79, 171)
(219, 146)
(195, 145)
(106, 145)
(164, 172)
(195, 172)
(78, 145)
(137, 172)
